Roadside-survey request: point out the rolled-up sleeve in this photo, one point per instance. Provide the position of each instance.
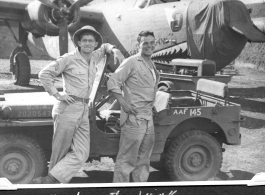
(118, 78)
(47, 75)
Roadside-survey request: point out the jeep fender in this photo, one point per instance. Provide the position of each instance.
(168, 84)
(199, 123)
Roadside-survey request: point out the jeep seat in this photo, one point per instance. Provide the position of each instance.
(214, 88)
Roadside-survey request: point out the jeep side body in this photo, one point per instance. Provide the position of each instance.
(189, 131)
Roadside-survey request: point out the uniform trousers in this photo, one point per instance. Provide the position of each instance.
(71, 140)
(135, 149)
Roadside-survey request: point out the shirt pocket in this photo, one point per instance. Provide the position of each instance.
(78, 72)
(79, 78)
(145, 79)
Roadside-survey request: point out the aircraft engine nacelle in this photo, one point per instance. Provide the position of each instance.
(42, 20)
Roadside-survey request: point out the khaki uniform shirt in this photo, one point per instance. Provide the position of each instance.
(78, 75)
(138, 84)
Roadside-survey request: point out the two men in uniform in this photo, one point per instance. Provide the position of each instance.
(136, 78)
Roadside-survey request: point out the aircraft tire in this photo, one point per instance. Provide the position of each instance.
(22, 69)
(12, 58)
(193, 156)
(21, 158)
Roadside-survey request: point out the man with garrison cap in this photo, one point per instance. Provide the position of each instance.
(71, 139)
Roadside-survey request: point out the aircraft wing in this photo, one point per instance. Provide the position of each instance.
(13, 9)
(91, 15)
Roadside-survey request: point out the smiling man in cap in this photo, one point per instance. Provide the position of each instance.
(71, 140)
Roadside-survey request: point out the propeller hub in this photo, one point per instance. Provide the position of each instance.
(64, 12)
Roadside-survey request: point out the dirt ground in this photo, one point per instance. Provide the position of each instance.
(243, 161)
(247, 88)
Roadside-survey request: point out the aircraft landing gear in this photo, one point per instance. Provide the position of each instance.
(19, 61)
(21, 69)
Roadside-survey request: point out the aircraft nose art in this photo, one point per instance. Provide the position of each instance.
(176, 16)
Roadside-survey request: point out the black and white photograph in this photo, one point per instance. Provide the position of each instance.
(139, 97)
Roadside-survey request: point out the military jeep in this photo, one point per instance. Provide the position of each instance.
(190, 128)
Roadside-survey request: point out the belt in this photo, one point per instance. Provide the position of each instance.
(84, 100)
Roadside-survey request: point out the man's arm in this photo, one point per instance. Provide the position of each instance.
(110, 49)
(117, 80)
(118, 56)
(47, 77)
(125, 106)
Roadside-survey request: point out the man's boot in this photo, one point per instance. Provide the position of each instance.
(45, 180)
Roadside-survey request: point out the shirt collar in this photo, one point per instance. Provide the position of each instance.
(139, 57)
(78, 54)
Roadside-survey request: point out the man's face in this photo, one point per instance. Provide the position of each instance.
(87, 44)
(147, 46)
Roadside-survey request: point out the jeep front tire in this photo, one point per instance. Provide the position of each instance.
(21, 159)
(193, 156)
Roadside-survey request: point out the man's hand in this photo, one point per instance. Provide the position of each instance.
(128, 108)
(118, 56)
(68, 99)
(125, 106)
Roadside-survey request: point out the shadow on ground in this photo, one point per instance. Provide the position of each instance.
(157, 176)
(106, 177)
(241, 97)
(250, 101)
(235, 175)
(258, 92)
(253, 123)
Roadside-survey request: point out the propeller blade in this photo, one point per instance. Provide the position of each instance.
(75, 5)
(50, 4)
(84, 2)
(79, 3)
(63, 37)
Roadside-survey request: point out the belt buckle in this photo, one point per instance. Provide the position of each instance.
(84, 100)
